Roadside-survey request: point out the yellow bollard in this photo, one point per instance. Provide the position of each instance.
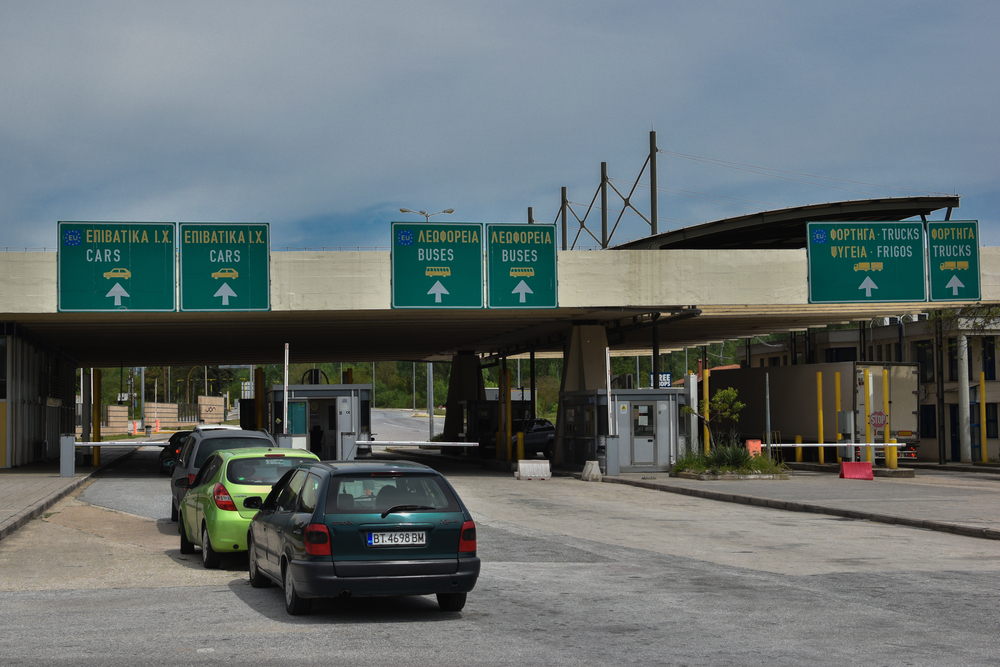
(819, 410)
(97, 456)
(798, 450)
(868, 415)
(890, 455)
(520, 445)
(836, 400)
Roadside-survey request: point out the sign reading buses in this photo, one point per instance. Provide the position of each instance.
(521, 261)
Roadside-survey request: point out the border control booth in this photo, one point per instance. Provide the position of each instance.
(329, 420)
(648, 431)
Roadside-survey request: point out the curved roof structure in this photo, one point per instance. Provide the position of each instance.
(786, 228)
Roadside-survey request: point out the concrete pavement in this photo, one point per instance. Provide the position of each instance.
(953, 498)
(958, 499)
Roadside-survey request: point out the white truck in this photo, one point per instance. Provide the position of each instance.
(794, 408)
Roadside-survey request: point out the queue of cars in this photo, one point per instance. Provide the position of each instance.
(322, 529)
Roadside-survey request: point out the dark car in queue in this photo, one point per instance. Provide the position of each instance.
(539, 438)
(201, 444)
(363, 528)
(171, 450)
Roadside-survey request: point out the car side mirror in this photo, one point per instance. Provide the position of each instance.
(253, 503)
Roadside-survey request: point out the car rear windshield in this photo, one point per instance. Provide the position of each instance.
(209, 447)
(260, 470)
(368, 494)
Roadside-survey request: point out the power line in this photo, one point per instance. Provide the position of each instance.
(763, 171)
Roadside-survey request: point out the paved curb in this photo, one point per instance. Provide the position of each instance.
(927, 524)
(36, 510)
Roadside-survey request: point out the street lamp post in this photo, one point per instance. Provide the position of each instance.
(427, 216)
(430, 365)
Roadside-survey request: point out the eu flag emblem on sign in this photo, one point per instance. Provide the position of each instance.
(72, 237)
(405, 237)
(819, 236)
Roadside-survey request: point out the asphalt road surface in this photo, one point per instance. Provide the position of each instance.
(574, 573)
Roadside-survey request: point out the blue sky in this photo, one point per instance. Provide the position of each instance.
(324, 118)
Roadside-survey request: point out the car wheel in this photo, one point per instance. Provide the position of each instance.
(173, 512)
(210, 558)
(186, 545)
(294, 605)
(257, 578)
(451, 601)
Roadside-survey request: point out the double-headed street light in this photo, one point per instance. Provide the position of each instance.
(427, 216)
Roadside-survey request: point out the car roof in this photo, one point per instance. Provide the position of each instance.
(255, 452)
(211, 434)
(217, 427)
(363, 467)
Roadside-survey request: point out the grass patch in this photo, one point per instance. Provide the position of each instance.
(728, 459)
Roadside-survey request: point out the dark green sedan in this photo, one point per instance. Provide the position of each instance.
(362, 528)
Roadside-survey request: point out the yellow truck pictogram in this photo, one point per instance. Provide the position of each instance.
(868, 266)
(954, 266)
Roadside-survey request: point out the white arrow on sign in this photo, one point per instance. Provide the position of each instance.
(868, 285)
(225, 292)
(437, 290)
(118, 292)
(522, 289)
(954, 284)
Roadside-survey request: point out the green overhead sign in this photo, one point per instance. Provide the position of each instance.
(437, 265)
(866, 262)
(224, 266)
(105, 266)
(953, 250)
(521, 261)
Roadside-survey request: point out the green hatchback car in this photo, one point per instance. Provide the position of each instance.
(212, 514)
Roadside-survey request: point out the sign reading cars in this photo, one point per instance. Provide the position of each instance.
(104, 266)
(225, 266)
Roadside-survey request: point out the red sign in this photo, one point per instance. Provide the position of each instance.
(878, 419)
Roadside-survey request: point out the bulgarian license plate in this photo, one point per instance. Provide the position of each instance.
(397, 539)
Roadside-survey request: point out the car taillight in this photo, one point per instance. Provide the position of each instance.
(222, 498)
(317, 540)
(467, 541)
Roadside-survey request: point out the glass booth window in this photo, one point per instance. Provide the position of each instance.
(642, 420)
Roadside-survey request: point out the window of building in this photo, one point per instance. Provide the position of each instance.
(989, 357)
(878, 353)
(774, 361)
(923, 352)
(835, 354)
(928, 421)
(991, 421)
(953, 361)
(3, 367)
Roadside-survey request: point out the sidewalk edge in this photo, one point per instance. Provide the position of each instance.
(927, 524)
(38, 508)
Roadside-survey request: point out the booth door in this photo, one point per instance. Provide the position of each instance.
(643, 434)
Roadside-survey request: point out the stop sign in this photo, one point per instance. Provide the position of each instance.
(878, 419)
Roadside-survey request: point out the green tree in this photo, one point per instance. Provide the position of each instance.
(722, 407)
